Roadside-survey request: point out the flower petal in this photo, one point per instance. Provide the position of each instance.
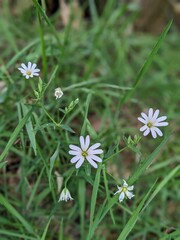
(79, 163)
(142, 120)
(142, 129)
(129, 194)
(87, 142)
(161, 124)
(146, 132)
(29, 65)
(82, 143)
(72, 152)
(121, 196)
(93, 163)
(150, 113)
(74, 147)
(24, 66)
(130, 188)
(144, 116)
(158, 131)
(153, 133)
(94, 146)
(95, 158)
(93, 152)
(125, 183)
(160, 119)
(156, 113)
(36, 70)
(33, 66)
(76, 158)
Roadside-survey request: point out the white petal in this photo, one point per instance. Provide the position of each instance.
(29, 65)
(95, 158)
(121, 196)
(144, 116)
(160, 119)
(82, 143)
(36, 70)
(94, 146)
(125, 183)
(27, 76)
(156, 113)
(87, 142)
(161, 124)
(91, 162)
(71, 152)
(153, 132)
(142, 120)
(93, 152)
(158, 131)
(35, 74)
(33, 66)
(150, 113)
(24, 66)
(22, 70)
(79, 163)
(129, 194)
(146, 132)
(130, 188)
(74, 147)
(76, 158)
(142, 129)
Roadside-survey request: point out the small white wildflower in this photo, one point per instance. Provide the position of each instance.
(58, 93)
(124, 191)
(65, 195)
(85, 152)
(30, 70)
(152, 122)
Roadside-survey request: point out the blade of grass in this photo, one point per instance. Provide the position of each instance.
(133, 219)
(94, 195)
(146, 65)
(144, 164)
(16, 214)
(46, 229)
(29, 128)
(15, 134)
(81, 196)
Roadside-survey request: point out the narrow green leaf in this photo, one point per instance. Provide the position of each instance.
(94, 194)
(2, 164)
(29, 129)
(81, 196)
(144, 164)
(46, 229)
(15, 134)
(147, 64)
(16, 214)
(133, 219)
(52, 160)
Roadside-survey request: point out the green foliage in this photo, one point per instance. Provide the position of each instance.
(97, 67)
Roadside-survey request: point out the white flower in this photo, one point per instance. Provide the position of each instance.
(30, 70)
(152, 122)
(85, 152)
(124, 191)
(58, 93)
(65, 195)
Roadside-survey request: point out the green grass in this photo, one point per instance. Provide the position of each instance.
(115, 76)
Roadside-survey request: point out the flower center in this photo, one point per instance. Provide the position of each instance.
(84, 153)
(28, 73)
(149, 125)
(124, 189)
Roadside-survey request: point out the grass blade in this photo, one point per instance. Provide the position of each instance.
(147, 64)
(15, 134)
(143, 166)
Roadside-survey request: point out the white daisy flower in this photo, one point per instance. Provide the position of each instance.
(30, 70)
(65, 195)
(85, 152)
(58, 93)
(152, 122)
(125, 191)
